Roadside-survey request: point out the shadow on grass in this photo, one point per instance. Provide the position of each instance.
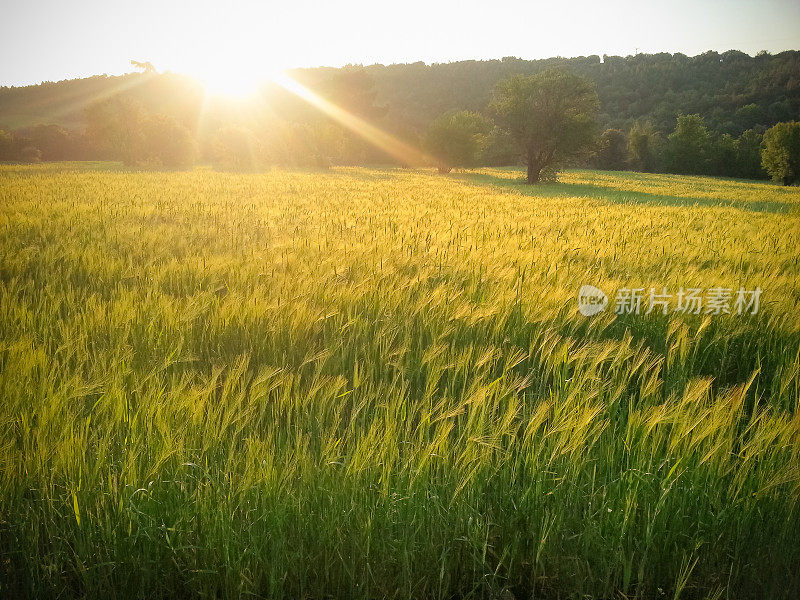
(617, 195)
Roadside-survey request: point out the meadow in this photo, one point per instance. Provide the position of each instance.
(375, 383)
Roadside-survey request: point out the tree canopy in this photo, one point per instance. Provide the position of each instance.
(731, 96)
(549, 115)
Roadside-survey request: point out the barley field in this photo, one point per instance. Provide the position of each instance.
(366, 383)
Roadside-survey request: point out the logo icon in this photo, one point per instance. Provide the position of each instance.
(591, 300)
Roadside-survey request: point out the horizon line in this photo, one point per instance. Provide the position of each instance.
(393, 64)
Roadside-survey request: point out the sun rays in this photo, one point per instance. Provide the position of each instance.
(249, 98)
(402, 151)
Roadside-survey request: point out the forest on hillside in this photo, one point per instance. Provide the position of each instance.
(732, 91)
(723, 101)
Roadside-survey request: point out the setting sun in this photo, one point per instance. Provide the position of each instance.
(228, 83)
(228, 80)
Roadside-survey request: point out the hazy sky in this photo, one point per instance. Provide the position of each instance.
(57, 39)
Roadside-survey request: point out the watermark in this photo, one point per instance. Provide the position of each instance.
(691, 301)
(591, 300)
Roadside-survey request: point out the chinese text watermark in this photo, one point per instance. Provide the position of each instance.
(692, 301)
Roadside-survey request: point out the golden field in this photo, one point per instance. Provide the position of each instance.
(376, 383)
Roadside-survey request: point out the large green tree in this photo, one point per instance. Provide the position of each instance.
(781, 153)
(550, 115)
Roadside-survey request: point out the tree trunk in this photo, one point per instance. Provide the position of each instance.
(534, 171)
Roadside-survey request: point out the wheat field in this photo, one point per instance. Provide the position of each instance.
(375, 383)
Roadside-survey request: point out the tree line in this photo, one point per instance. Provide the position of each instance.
(708, 114)
(547, 120)
(135, 126)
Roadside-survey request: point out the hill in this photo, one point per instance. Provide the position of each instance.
(732, 91)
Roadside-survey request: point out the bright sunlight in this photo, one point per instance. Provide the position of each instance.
(227, 76)
(229, 83)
